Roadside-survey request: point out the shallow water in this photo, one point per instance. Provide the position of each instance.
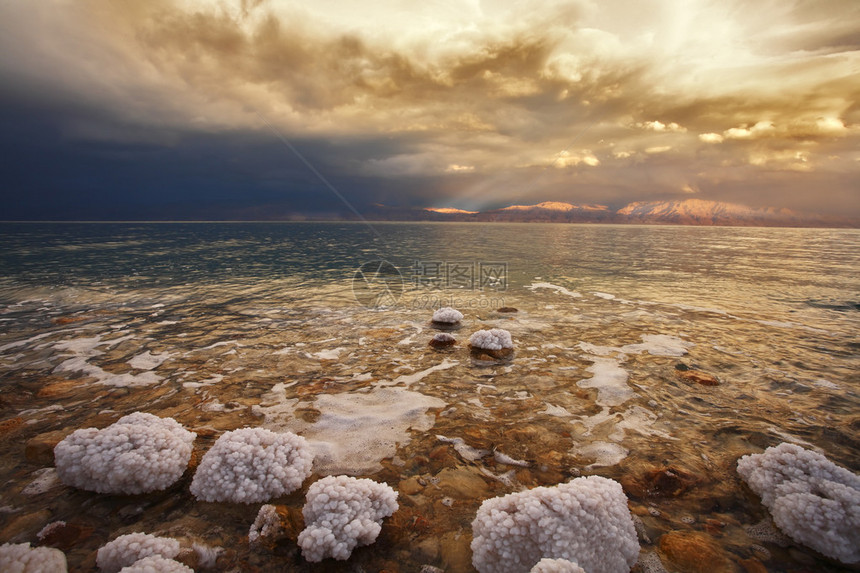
(222, 326)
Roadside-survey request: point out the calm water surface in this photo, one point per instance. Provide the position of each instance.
(223, 326)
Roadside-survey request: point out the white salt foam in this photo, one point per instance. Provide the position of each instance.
(148, 361)
(556, 288)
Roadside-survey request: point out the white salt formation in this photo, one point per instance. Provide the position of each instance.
(139, 453)
(493, 339)
(267, 525)
(252, 465)
(128, 549)
(21, 558)
(811, 499)
(584, 521)
(447, 315)
(156, 564)
(342, 513)
(556, 566)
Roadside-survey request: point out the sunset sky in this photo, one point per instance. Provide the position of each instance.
(129, 109)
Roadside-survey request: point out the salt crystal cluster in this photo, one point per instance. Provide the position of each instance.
(140, 453)
(21, 558)
(267, 525)
(156, 564)
(556, 566)
(129, 549)
(252, 465)
(585, 521)
(493, 339)
(447, 315)
(811, 499)
(342, 513)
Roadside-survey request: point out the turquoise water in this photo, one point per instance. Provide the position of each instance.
(229, 325)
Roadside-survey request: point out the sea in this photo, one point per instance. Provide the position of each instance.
(652, 355)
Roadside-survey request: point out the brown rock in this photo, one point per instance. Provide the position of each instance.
(40, 449)
(24, 527)
(698, 377)
(488, 354)
(410, 486)
(62, 389)
(455, 550)
(442, 340)
(11, 425)
(659, 482)
(695, 552)
(506, 309)
(63, 535)
(462, 483)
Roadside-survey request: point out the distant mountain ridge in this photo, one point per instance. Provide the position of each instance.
(676, 212)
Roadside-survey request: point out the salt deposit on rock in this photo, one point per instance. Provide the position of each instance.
(342, 513)
(21, 558)
(267, 525)
(442, 340)
(139, 453)
(493, 339)
(811, 499)
(556, 566)
(156, 564)
(584, 521)
(252, 465)
(447, 315)
(128, 549)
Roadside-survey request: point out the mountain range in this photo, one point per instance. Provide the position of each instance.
(680, 212)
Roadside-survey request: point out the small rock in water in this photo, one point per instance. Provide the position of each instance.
(659, 482)
(698, 377)
(507, 309)
(443, 340)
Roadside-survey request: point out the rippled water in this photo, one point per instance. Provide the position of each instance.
(229, 325)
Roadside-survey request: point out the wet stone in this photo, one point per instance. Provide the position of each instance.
(40, 449)
(462, 483)
(410, 486)
(659, 482)
(695, 552)
(63, 535)
(698, 377)
(24, 527)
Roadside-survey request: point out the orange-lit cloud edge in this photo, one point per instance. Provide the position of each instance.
(579, 102)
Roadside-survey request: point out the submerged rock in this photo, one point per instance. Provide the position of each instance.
(659, 482)
(695, 552)
(698, 377)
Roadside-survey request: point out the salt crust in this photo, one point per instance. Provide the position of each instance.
(447, 315)
(556, 566)
(493, 339)
(342, 513)
(156, 564)
(140, 453)
(811, 499)
(252, 465)
(128, 549)
(585, 521)
(21, 558)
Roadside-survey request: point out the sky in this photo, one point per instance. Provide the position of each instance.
(248, 109)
